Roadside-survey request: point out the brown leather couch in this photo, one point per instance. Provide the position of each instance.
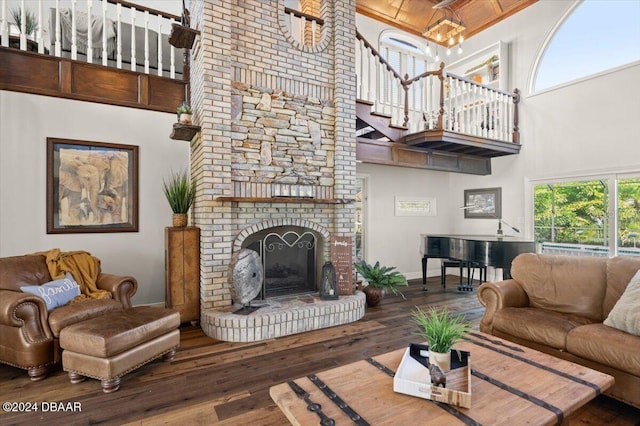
(28, 332)
(557, 304)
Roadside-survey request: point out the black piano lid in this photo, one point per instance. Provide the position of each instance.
(487, 238)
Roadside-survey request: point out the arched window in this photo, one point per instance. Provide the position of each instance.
(594, 37)
(406, 54)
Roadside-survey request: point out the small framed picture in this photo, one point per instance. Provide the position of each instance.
(91, 187)
(483, 203)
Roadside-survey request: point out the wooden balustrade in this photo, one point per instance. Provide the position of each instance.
(434, 100)
(304, 28)
(91, 30)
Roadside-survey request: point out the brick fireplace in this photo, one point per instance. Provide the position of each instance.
(276, 154)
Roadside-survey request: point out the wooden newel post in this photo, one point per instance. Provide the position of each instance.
(405, 86)
(440, 124)
(516, 131)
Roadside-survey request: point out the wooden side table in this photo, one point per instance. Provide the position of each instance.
(182, 271)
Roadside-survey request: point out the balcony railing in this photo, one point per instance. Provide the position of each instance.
(435, 100)
(113, 33)
(304, 28)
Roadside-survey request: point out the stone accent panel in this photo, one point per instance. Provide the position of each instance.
(275, 132)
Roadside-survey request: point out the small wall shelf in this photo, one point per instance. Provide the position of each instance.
(184, 132)
(182, 37)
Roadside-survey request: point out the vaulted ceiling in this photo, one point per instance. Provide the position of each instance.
(414, 16)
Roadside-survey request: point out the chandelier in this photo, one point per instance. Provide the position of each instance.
(446, 31)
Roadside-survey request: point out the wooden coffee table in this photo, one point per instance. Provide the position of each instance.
(510, 384)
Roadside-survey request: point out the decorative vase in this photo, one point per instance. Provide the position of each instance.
(180, 220)
(442, 360)
(185, 118)
(374, 295)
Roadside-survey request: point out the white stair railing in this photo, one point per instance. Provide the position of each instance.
(93, 31)
(433, 100)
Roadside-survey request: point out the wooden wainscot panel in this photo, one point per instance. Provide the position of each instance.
(409, 158)
(28, 72)
(48, 75)
(102, 82)
(165, 92)
(373, 151)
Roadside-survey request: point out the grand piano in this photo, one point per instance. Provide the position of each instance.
(484, 250)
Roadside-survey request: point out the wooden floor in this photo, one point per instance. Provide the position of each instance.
(212, 382)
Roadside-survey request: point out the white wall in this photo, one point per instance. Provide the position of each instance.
(582, 128)
(25, 123)
(395, 240)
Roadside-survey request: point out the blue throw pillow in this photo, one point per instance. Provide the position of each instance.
(55, 293)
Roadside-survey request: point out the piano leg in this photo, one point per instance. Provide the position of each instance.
(425, 258)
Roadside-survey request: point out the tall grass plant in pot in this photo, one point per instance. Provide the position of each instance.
(441, 330)
(180, 192)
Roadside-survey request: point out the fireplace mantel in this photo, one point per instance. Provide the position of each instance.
(286, 200)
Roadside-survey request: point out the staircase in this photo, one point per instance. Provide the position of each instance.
(379, 142)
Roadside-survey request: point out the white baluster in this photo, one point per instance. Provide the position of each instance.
(314, 28)
(74, 39)
(119, 36)
(160, 45)
(89, 33)
(360, 69)
(172, 58)
(4, 25)
(58, 43)
(303, 27)
(39, 32)
(371, 68)
(105, 59)
(23, 27)
(134, 60)
(474, 109)
(146, 42)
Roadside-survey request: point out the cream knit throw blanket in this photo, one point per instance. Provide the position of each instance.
(83, 26)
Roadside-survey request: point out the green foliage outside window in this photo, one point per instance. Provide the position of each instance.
(577, 212)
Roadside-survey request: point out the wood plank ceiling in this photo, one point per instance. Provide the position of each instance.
(414, 16)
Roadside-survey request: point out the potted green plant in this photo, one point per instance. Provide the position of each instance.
(184, 112)
(379, 279)
(30, 21)
(441, 330)
(180, 192)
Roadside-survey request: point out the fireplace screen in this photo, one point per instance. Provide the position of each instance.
(289, 263)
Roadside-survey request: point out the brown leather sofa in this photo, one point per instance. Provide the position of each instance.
(557, 304)
(28, 332)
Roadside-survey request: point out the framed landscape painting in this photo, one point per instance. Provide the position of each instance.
(485, 203)
(91, 187)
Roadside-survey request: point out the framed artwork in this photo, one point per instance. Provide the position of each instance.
(91, 187)
(485, 203)
(415, 206)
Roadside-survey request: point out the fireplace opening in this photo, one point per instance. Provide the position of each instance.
(289, 260)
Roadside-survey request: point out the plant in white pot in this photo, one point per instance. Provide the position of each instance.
(184, 112)
(180, 192)
(379, 279)
(441, 330)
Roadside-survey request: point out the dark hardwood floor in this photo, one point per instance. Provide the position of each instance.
(212, 382)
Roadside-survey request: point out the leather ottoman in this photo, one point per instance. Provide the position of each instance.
(110, 346)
